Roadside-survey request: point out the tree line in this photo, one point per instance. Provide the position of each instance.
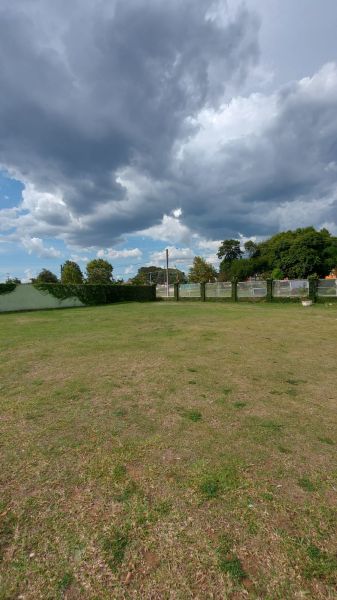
(290, 254)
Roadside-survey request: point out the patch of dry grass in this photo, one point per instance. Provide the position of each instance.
(168, 451)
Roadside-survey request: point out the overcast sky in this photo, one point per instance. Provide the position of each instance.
(128, 126)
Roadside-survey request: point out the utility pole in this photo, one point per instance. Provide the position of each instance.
(167, 274)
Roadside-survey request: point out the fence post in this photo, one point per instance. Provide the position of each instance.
(235, 289)
(203, 291)
(313, 284)
(269, 297)
(176, 291)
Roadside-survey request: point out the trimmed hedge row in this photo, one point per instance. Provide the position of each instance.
(92, 295)
(6, 288)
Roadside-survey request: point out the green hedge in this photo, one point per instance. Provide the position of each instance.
(92, 295)
(6, 288)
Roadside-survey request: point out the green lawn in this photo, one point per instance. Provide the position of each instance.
(169, 451)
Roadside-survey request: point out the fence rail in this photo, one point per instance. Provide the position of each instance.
(252, 289)
(327, 288)
(219, 290)
(291, 289)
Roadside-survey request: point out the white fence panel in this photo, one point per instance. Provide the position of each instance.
(219, 290)
(292, 288)
(189, 290)
(327, 288)
(161, 291)
(252, 289)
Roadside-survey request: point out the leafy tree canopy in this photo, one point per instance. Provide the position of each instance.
(157, 275)
(201, 271)
(45, 276)
(230, 250)
(71, 273)
(293, 254)
(13, 280)
(99, 271)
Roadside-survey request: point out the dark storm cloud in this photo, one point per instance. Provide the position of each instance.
(91, 89)
(283, 173)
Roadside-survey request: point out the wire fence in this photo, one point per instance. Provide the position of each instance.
(292, 288)
(189, 290)
(219, 290)
(252, 289)
(327, 288)
(162, 291)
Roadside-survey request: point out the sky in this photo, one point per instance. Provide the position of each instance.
(131, 126)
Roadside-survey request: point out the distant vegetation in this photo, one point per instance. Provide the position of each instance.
(290, 254)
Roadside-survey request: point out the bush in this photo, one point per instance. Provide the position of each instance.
(92, 295)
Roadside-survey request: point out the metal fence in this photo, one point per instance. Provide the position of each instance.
(219, 290)
(292, 288)
(161, 291)
(189, 290)
(252, 289)
(327, 288)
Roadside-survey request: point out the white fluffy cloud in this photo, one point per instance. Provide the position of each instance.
(35, 246)
(119, 254)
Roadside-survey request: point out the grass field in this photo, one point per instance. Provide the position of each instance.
(169, 451)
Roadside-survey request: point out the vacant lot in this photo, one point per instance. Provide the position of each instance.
(164, 450)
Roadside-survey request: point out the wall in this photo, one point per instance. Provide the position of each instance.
(30, 297)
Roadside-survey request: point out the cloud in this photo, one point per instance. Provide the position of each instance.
(96, 95)
(35, 246)
(119, 254)
(135, 118)
(170, 229)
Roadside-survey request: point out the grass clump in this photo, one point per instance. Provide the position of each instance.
(320, 565)
(229, 562)
(114, 547)
(306, 484)
(65, 582)
(193, 415)
(223, 480)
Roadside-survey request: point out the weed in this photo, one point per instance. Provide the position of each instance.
(193, 415)
(230, 562)
(192, 382)
(210, 487)
(7, 527)
(320, 565)
(65, 582)
(114, 547)
(129, 491)
(283, 450)
(240, 404)
(326, 440)
(306, 484)
(119, 472)
(192, 370)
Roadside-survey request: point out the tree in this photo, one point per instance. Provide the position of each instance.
(201, 271)
(157, 275)
(71, 273)
(251, 249)
(293, 254)
(45, 276)
(99, 271)
(230, 250)
(13, 280)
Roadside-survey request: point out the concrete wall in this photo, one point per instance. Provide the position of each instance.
(27, 297)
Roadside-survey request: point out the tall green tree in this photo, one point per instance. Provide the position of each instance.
(230, 250)
(157, 275)
(293, 254)
(201, 271)
(45, 276)
(99, 271)
(71, 273)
